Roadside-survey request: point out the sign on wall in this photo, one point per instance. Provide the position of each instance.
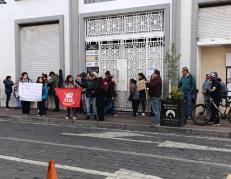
(92, 55)
(30, 91)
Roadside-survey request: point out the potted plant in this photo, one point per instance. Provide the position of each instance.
(173, 109)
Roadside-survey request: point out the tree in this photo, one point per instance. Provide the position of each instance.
(172, 62)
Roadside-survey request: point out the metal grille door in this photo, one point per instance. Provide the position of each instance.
(128, 45)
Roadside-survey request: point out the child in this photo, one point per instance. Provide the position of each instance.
(45, 77)
(41, 104)
(8, 90)
(69, 83)
(134, 96)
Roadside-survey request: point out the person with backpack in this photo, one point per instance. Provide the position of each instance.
(188, 86)
(134, 96)
(215, 93)
(8, 90)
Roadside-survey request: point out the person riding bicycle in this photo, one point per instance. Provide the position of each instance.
(215, 93)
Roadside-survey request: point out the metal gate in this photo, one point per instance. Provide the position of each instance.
(128, 45)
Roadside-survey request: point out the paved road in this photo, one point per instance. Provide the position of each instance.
(91, 153)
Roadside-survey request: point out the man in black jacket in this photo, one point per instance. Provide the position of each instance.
(215, 93)
(155, 90)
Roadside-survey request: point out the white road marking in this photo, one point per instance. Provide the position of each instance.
(180, 145)
(127, 174)
(117, 175)
(106, 134)
(114, 136)
(118, 152)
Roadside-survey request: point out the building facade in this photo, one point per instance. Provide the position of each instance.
(123, 36)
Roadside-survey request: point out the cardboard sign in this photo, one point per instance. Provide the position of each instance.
(30, 91)
(69, 97)
(141, 85)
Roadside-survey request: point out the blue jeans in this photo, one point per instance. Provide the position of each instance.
(108, 105)
(188, 98)
(155, 103)
(83, 96)
(91, 101)
(18, 103)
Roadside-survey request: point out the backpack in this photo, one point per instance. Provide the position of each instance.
(224, 90)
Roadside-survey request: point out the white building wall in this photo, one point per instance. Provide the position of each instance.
(22, 10)
(186, 16)
(117, 4)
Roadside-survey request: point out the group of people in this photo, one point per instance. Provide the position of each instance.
(98, 94)
(213, 88)
(97, 97)
(138, 95)
(48, 87)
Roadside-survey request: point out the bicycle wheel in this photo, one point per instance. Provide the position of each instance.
(201, 114)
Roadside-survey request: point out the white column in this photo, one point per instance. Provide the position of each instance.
(186, 16)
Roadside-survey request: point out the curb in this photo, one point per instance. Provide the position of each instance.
(122, 126)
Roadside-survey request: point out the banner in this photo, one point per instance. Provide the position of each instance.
(69, 97)
(30, 91)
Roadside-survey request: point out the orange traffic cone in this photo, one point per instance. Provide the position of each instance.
(52, 174)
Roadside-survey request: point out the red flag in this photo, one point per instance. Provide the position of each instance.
(69, 97)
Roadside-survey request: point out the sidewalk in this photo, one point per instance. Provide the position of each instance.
(122, 121)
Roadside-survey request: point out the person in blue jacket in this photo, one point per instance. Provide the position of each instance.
(8, 90)
(188, 86)
(42, 104)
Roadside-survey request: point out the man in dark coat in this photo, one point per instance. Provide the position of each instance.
(110, 93)
(215, 93)
(155, 91)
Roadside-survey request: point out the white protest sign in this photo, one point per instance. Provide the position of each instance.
(30, 91)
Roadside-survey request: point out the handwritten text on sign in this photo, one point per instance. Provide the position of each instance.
(30, 91)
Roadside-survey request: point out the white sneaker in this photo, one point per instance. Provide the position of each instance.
(67, 118)
(74, 118)
(143, 114)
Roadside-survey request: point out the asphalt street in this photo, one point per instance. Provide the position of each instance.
(96, 153)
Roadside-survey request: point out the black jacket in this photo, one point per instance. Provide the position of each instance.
(8, 86)
(90, 87)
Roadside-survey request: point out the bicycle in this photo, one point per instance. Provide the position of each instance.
(201, 113)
